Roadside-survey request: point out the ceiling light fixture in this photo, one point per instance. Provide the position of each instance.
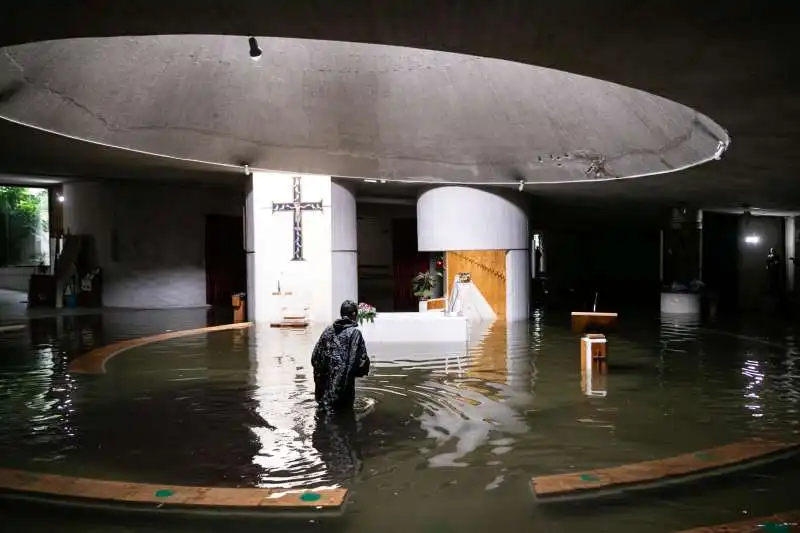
(521, 185)
(255, 51)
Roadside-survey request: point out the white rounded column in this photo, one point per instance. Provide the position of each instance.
(466, 218)
(344, 249)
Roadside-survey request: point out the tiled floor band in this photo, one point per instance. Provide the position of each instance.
(94, 361)
(778, 523)
(83, 490)
(654, 473)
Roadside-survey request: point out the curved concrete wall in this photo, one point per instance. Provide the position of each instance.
(159, 260)
(464, 218)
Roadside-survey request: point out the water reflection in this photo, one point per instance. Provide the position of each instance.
(463, 413)
(754, 383)
(237, 408)
(336, 439)
(284, 395)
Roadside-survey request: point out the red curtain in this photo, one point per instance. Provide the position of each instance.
(408, 261)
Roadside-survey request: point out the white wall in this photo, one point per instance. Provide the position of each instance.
(518, 280)
(344, 243)
(465, 218)
(160, 231)
(329, 248)
(15, 278)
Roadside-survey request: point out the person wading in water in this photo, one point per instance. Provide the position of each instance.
(339, 357)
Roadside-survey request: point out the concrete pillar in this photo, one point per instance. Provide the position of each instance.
(682, 247)
(344, 250)
(465, 218)
(790, 236)
(682, 260)
(699, 225)
(315, 277)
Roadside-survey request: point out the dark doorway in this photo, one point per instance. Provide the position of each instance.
(721, 257)
(407, 262)
(226, 264)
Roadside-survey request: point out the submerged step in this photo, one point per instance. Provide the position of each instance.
(777, 523)
(93, 492)
(649, 474)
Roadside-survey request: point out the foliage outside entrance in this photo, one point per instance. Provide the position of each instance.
(23, 226)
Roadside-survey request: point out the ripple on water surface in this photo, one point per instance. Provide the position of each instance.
(235, 408)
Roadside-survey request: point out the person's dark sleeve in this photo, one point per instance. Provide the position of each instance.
(319, 362)
(362, 368)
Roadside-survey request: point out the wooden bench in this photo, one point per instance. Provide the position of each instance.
(649, 474)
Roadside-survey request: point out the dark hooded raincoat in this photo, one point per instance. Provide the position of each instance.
(339, 357)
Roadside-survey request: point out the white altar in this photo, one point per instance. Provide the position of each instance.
(428, 327)
(466, 318)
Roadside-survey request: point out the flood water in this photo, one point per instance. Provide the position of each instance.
(448, 437)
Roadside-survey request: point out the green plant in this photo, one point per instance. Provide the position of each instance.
(423, 283)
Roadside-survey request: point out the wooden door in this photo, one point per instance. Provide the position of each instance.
(226, 265)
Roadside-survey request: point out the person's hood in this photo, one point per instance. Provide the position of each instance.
(342, 324)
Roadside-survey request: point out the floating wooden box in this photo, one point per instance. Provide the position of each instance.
(593, 364)
(581, 320)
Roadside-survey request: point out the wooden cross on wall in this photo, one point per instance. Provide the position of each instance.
(297, 206)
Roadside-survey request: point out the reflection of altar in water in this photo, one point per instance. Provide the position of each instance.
(487, 383)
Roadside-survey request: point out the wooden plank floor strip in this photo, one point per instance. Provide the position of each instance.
(12, 327)
(168, 496)
(649, 473)
(781, 522)
(94, 361)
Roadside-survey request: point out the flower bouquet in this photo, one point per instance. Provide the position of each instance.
(366, 313)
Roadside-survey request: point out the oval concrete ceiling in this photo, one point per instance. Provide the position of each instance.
(348, 109)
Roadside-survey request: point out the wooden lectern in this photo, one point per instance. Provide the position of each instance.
(581, 320)
(594, 365)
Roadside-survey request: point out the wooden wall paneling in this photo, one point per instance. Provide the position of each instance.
(488, 271)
